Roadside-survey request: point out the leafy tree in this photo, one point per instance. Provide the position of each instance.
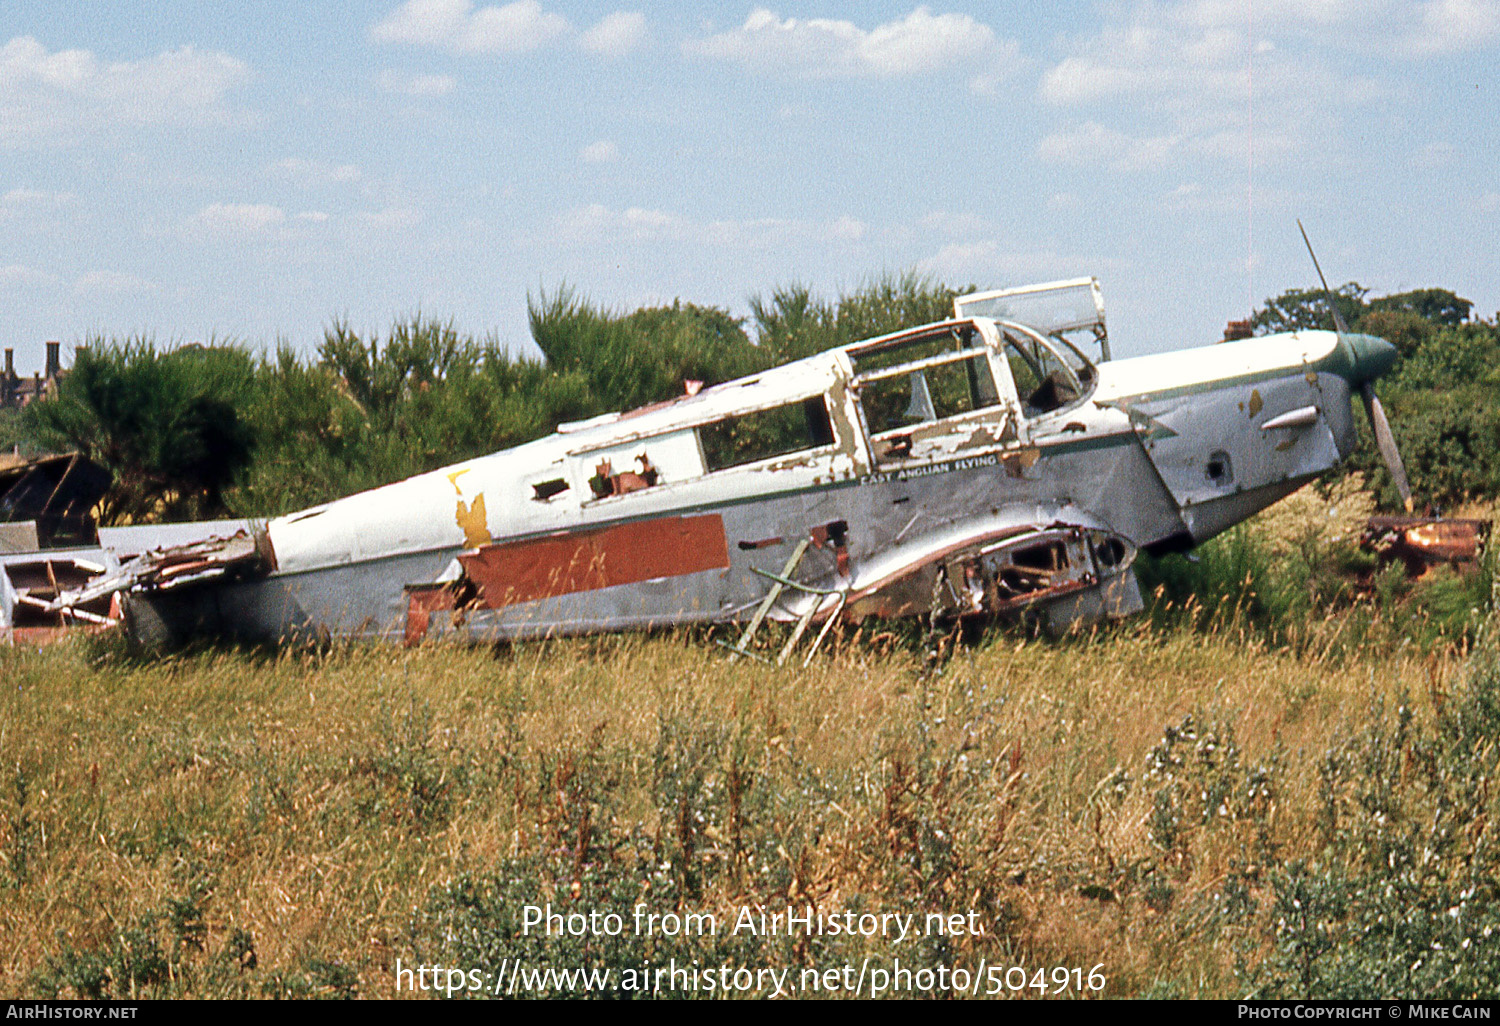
(1405, 330)
(1437, 306)
(1307, 309)
(792, 323)
(372, 411)
(13, 434)
(642, 357)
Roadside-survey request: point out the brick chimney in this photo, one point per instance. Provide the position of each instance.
(10, 364)
(1237, 330)
(54, 359)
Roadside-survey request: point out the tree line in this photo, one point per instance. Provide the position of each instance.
(195, 431)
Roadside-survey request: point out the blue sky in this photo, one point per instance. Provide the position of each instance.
(253, 171)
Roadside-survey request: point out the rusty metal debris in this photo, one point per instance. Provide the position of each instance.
(56, 494)
(245, 553)
(1421, 543)
(34, 586)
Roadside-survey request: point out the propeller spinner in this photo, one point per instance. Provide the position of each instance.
(1385, 441)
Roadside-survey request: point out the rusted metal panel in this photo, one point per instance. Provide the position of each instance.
(245, 554)
(1421, 542)
(561, 564)
(996, 573)
(422, 601)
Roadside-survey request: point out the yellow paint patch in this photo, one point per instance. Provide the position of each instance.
(1256, 403)
(471, 519)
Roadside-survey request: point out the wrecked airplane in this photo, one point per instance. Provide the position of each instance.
(990, 464)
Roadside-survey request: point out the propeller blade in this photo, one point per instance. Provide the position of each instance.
(1386, 442)
(1338, 318)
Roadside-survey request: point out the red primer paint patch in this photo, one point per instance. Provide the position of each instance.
(562, 564)
(421, 602)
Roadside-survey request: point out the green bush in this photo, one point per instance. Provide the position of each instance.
(167, 424)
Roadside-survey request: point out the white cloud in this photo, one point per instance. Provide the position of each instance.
(1385, 27)
(63, 95)
(599, 225)
(1273, 14)
(17, 199)
(419, 86)
(113, 283)
(33, 206)
(601, 152)
(634, 223)
(242, 218)
(955, 259)
(989, 264)
(313, 216)
(1007, 62)
(615, 35)
(849, 228)
(949, 225)
(1164, 83)
(1088, 80)
(826, 48)
(1450, 25)
(456, 25)
(316, 171)
(16, 276)
(389, 219)
(1093, 143)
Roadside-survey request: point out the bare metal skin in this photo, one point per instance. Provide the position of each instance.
(977, 466)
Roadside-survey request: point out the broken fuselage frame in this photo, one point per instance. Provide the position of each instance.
(976, 466)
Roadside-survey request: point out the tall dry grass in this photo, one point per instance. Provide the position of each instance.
(228, 823)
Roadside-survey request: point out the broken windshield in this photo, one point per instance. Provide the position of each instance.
(1070, 311)
(1050, 374)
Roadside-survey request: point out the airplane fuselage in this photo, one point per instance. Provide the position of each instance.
(972, 466)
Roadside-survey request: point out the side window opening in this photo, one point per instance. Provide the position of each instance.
(606, 482)
(766, 434)
(547, 489)
(929, 393)
(927, 378)
(633, 465)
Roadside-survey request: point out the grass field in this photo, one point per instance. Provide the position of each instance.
(1197, 812)
(1274, 783)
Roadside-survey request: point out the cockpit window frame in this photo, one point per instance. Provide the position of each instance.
(1083, 385)
(973, 345)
